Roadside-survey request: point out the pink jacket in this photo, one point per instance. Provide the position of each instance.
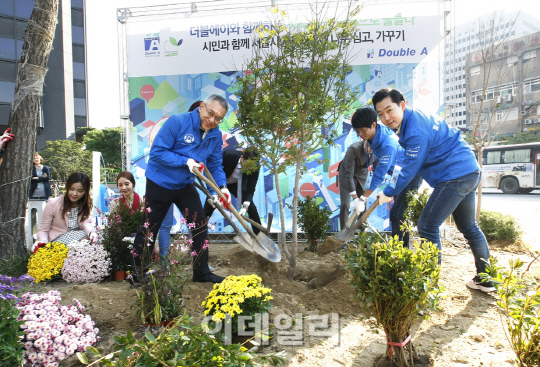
(53, 224)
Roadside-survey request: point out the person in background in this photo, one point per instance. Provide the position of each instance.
(164, 238)
(4, 138)
(353, 172)
(40, 187)
(386, 148)
(125, 183)
(439, 154)
(67, 218)
(232, 166)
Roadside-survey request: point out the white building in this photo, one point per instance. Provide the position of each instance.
(469, 37)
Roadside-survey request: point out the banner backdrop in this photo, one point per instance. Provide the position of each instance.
(173, 64)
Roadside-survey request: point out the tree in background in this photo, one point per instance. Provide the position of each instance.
(293, 92)
(490, 102)
(23, 121)
(64, 157)
(530, 136)
(108, 142)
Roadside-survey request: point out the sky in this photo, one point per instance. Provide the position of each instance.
(102, 46)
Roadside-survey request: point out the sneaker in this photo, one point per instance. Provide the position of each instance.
(208, 278)
(481, 285)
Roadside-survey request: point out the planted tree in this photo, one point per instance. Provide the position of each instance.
(292, 92)
(394, 283)
(23, 121)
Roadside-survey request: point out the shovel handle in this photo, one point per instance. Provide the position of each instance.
(210, 182)
(265, 230)
(366, 214)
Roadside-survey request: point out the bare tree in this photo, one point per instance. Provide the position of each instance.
(493, 85)
(24, 119)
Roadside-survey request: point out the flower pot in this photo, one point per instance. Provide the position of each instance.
(119, 275)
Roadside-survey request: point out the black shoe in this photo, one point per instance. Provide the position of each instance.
(208, 278)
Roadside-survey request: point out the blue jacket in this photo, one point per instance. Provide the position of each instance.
(178, 140)
(385, 146)
(433, 149)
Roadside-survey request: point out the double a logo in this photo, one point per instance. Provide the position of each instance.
(151, 45)
(188, 138)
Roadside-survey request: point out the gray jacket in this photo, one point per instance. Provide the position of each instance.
(353, 168)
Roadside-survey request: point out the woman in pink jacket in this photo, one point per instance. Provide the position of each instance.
(67, 218)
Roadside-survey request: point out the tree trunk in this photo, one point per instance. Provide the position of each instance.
(281, 213)
(294, 253)
(24, 119)
(479, 194)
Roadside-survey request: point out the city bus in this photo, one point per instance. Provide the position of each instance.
(512, 168)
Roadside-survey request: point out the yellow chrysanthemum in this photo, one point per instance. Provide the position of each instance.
(47, 261)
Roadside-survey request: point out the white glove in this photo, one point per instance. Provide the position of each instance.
(4, 138)
(214, 201)
(359, 205)
(383, 198)
(245, 207)
(94, 237)
(192, 163)
(227, 194)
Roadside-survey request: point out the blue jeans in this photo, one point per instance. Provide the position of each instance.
(165, 233)
(456, 197)
(397, 213)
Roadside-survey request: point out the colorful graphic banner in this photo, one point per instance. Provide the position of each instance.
(171, 69)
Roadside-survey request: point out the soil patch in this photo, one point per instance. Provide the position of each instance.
(467, 330)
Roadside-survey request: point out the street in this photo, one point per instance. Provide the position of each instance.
(525, 208)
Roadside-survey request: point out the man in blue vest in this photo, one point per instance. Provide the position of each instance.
(384, 144)
(440, 155)
(183, 141)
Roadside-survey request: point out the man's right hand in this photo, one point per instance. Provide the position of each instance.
(359, 205)
(191, 163)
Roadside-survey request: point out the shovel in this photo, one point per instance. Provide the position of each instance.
(347, 234)
(261, 243)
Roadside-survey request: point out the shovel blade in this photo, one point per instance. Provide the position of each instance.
(267, 248)
(245, 242)
(346, 234)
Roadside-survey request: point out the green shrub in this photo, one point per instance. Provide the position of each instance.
(11, 350)
(393, 284)
(179, 345)
(313, 219)
(519, 301)
(497, 226)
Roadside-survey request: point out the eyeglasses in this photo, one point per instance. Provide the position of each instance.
(211, 113)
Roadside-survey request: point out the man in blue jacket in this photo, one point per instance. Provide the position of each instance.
(440, 155)
(183, 141)
(385, 146)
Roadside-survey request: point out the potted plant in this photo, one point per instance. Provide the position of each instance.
(122, 223)
(314, 220)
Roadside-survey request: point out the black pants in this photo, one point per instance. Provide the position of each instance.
(397, 213)
(252, 209)
(159, 200)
